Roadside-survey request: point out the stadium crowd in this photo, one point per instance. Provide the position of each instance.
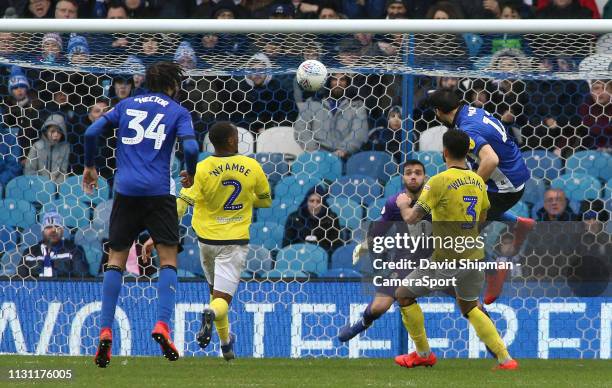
(564, 128)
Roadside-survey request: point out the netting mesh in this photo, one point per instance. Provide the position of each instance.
(347, 141)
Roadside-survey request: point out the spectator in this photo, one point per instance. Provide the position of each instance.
(389, 137)
(21, 110)
(397, 9)
(444, 10)
(327, 11)
(39, 9)
(185, 56)
(49, 156)
(54, 256)
(67, 9)
(120, 41)
(314, 222)
(596, 114)
(510, 10)
(337, 124)
(591, 5)
(51, 47)
(133, 64)
(555, 207)
(78, 50)
(362, 45)
(564, 9)
(7, 44)
(595, 239)
(140, 9)
(506, 252)
(478, 9)
(121, 88)
(77, 141)
(228, 9)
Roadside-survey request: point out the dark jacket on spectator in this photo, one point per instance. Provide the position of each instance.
(25, 116)
(599, 121)
(325, 227)
(567, 215)
(573, 11)
(67, 260)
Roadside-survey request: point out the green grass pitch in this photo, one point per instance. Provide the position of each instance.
(248, 372)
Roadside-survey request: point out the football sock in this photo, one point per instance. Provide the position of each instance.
(485, 329)
(369, 316)
(111, 286)
(509, 216)
(220, 307)
(166, 292)
(414, 322)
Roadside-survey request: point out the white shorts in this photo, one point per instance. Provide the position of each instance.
(223, 265)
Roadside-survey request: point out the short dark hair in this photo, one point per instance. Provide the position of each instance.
(444, 99)
(162, 76)
(220, 132)
(457, 143)
(412, 162)
(73, 2)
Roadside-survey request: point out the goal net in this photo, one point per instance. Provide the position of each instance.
(332, 158)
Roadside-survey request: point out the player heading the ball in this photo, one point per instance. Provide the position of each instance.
(148, 127)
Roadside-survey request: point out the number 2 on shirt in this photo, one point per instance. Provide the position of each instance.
(154, 131)
(229, 204)
(470, 211)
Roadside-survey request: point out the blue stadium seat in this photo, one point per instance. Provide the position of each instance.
(319, 165)
(594, 163)
(189, 260)
(279, 210)
(294, 187)
(31, 236)
(376, 164)
(267, 234)
(71, 190)
(341, 273)
(274, 165)
(75, 214)
(285, 274)
(9, 144)
(302, 257)
(17, 212)
(259, 260)
(189, 237)
(520, 209)
(349, 212)
(343, 257)
(176, 166)
(203, 155)
(8, 238)
(432, 160)
(359, 188)
(534, 190)
(9, 261)
(87, 236)
(93, 254)
(394, 186)
(373, 211)
(543, 164)
(577, 186)
(31, 188)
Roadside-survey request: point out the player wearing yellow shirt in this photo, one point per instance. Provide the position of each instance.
(457, 200)
(226, 188)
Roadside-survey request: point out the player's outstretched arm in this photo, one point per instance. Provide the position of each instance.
(488, 162)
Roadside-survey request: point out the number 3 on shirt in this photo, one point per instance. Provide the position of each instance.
(470, 211)
(229, 204)
(154, 131)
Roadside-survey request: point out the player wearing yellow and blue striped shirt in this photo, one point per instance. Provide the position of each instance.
(226, 188)
(457, 200)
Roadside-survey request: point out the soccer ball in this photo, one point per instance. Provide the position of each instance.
(311, 75)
